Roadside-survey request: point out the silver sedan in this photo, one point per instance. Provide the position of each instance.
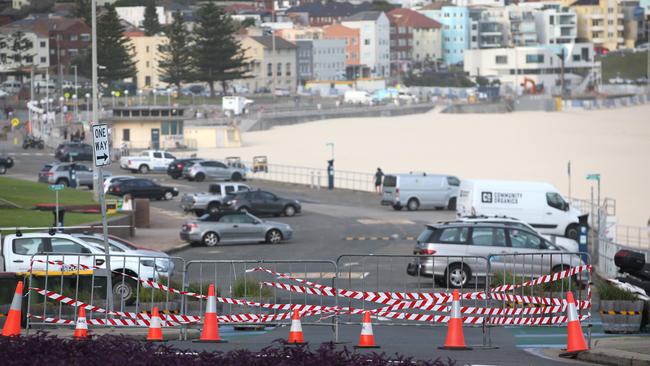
(234, 227)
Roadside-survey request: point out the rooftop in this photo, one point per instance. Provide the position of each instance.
(267, 42)
(330, 9)
(364, 16)
(410, 18)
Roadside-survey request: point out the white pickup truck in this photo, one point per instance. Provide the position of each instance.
(18, 250)
(148, 160)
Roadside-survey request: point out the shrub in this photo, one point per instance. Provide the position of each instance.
(250, 288)
(606, 291)
(42, 348)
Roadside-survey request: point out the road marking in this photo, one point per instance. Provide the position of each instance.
(377, 238)
(214, 251)
(385, 222)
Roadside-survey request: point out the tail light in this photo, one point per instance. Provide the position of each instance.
(129, 162)
(117, 189)
(190, 226)
(179, 166)
(49, 174)
(427, 251)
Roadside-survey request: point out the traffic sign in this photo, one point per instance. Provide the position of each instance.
(593, 177)
(100, 145)
(15, 122)
(56, 187)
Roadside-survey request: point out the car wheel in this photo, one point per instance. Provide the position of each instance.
(413, 204)
(236, 177)
(289, 211)
(199, 213)
(210, 239)
(452, 204)
(200, 177)
(397, 207)
(572, 232)
(63, 181)
(143, 169)
(175, 176)
(457, 275)
(124, 290)
(213, 208)
(169, 196)
(274, 236)
(3, 169)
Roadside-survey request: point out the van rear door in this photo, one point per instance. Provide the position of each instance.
(390, 191)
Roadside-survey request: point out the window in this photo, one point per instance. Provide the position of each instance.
(269, 69)
(147, 80)
(43, 60)
(534, 59)
(147, 63)
(73, 52)
(43, 44)
(524, 240)
(230, 189)
(60, 245)
(279, 69)
(576, 57)
(366, 42)
(453, 181)
(74, 37)
(171, 127)
(126, 134)
(85, 37)
(169, 156)
(288, 69)
(501, 60)
(147, 49)
(555, 200)
(454, 235)
(489, 237)
(157, 155)
(29, 246)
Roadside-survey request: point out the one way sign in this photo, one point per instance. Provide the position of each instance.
(100, 145)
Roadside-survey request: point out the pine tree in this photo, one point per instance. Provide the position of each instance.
(82, 10)
(150, 22)
(218, 56)
(176, 63)
(113, 50)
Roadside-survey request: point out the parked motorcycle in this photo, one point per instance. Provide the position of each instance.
(33, 142)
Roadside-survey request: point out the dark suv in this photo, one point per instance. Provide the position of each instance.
(74, 151)
(175, 168)
(260, 202)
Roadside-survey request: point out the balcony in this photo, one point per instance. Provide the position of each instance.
(597, 28)
(597, 16)
(597, 40)
(620, 15)
(619, 28)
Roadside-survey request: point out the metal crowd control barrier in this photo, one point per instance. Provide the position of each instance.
(394, 286)
(255, 293)
(61, 282)
(529, 289)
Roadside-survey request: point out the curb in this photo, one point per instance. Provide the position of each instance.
(610, 356)
(177, 248)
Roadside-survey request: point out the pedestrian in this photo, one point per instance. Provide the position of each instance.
(83, 135)
(65, 133)
(379, 175)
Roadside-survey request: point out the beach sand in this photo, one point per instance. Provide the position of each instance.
(520, 146)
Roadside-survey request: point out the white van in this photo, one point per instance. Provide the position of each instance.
(423, 190)
(357, 97)
(539, 204)
(11, 86)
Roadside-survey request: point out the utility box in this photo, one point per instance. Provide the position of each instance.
(235, 105)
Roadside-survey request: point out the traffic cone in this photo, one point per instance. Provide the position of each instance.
(576, 339)
(155, 333)
(210, 332)
(295, 333)
(81, 329)
(367, 338)
(12, 324)
(455, 338)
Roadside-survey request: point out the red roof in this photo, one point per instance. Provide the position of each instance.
(409, 18)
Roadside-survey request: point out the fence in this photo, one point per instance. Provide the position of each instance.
(398, 290)
(315, 177)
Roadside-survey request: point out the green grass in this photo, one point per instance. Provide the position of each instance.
(627, 65)
(607, 291)
(27, 194)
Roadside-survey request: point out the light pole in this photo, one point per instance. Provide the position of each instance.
(61, 99)
(76, 86)
(126, 98)
(113, 98)
(169, 96)
(88, 107)
(154, 96)
(76, 108)
(140, 96)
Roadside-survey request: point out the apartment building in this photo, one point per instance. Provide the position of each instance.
(455, 22)
(374, 30)
(321, 59)
(352, 40)
(556, 25)
(414, 38)
(135, 14)
(599, 22)
(146, 54)
(523, 29)
(321, 14)
(272, 63)
(300, 33)
(38, 55)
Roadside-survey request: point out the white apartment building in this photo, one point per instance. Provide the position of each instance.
(38, 55)
(135, 14)
(517, 68)
(375, 40)
(556, 25)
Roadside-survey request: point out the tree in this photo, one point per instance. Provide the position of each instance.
(176, 60)
(16, 55)
(150, 23)
(113, 50)
(217, 55)
(82, 9)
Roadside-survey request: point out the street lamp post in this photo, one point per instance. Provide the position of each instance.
(88, 107)
(154, 96)
(169, 96)
(140, 96)
(76, 108)
(126, 98)
(61, 99)
(113, 98)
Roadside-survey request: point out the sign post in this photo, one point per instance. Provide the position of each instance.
(102, 157)
(56, 188)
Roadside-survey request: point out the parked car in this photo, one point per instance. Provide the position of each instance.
(108, 182)
(6, 162)
(142, 188)
(212, 169)
(74, 151)
(415, 191)
(261, 202)
(357, 97)
(60, 173)
(210, 201)
(175, 168)
(161, 260)
(234, 227)
(282, 92)
(11, 86)
(479, 239)
(148, 160)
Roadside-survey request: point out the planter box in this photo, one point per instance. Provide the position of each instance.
(621, 323)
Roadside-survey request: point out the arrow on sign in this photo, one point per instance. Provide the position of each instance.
(103, 157)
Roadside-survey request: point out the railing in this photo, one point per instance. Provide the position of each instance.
(315, 177)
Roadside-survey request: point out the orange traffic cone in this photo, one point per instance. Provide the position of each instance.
(155, 333)
(455, 338)
(12, 324)
(210, 333)
(295, 333)
(367, 338)
(576, 339)
(81, 329)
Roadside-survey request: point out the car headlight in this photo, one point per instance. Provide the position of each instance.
(161, 265)
(232, 202)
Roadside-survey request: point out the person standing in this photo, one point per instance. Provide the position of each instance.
(379, 175)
